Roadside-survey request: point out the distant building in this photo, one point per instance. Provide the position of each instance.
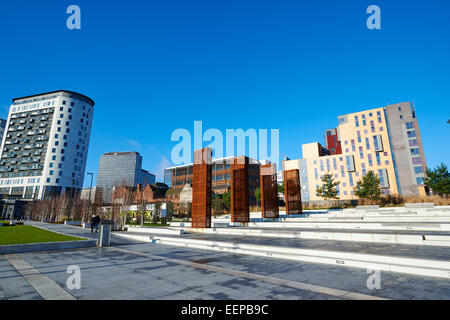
(96, 194)
(384, 140)
(118, 169)
(178, 176)
(146, 178)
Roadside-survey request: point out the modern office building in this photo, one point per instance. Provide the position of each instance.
(178, 176)
(384, 140)
(45, 145)
(118, 169)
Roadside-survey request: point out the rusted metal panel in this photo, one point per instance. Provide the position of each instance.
(201, 189)
(240, 210)
(269, 191)
(292, 191)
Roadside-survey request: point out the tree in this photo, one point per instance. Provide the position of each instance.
(258, 195)
(438, 180)
(280, 188)
(368, 187)
(328, 189)
(218, 205)
(226, 198)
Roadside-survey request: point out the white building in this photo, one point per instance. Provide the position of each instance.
(45, 145)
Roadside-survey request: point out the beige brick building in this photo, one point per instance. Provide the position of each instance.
(384, 140)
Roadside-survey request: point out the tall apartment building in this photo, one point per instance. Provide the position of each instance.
(178, 176)
(45, 145)
(384, 140)
(118, 169)
(2, 128)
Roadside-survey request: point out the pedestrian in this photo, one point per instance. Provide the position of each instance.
(95, 220)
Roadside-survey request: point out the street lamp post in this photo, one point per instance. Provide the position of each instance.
(89, 199)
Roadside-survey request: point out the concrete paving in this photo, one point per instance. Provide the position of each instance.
(136, 270)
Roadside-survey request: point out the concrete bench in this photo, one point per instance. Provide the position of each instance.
(72, 222)
(374, 206)
(420, 205)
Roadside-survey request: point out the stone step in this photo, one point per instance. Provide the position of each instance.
(423, 267)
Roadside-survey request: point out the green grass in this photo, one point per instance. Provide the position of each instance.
(30, 234)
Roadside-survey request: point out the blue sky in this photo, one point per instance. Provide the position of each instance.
(155, 66)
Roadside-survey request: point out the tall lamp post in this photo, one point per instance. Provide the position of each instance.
(90, 188)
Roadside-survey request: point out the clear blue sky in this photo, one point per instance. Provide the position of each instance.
(155, 66)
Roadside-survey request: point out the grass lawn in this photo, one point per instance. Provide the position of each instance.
(30, 234)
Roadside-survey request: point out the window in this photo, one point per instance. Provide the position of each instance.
(350, 177)
(61, 115)
(53, 157)
(342, 172)
(415, 151)
(413, 143)
(334, 164)
(57, 180)
(369, 157)
(51, 172)
(353, 145)
(377, 144)
(411, 134)
(64, 101)
(372, 126)
(356, 121)
(359, 136)
(379, 117)
(367, 144)
(420, 180)
(321, 165)
(56, 136)
(316, 175)
(363, 119)
(363, 169)
(53, 150)
(48, 180)
(361, 153)
(56, 143)
(377, 156)
(399, 108)
(72, 104)
(409, 125)
(328, 164)
(417, 160)
(418, 170)
(61, 108)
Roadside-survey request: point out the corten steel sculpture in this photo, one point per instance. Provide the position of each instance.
(201, 189)
(240, 211)
(269, 191)
(292, 191)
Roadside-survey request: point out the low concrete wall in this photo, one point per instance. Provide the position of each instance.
(72, 223)
(420, 205)
(46, 246)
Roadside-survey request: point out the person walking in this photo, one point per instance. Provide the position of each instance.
(95, 221)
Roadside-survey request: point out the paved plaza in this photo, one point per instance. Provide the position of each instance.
(135, 270)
